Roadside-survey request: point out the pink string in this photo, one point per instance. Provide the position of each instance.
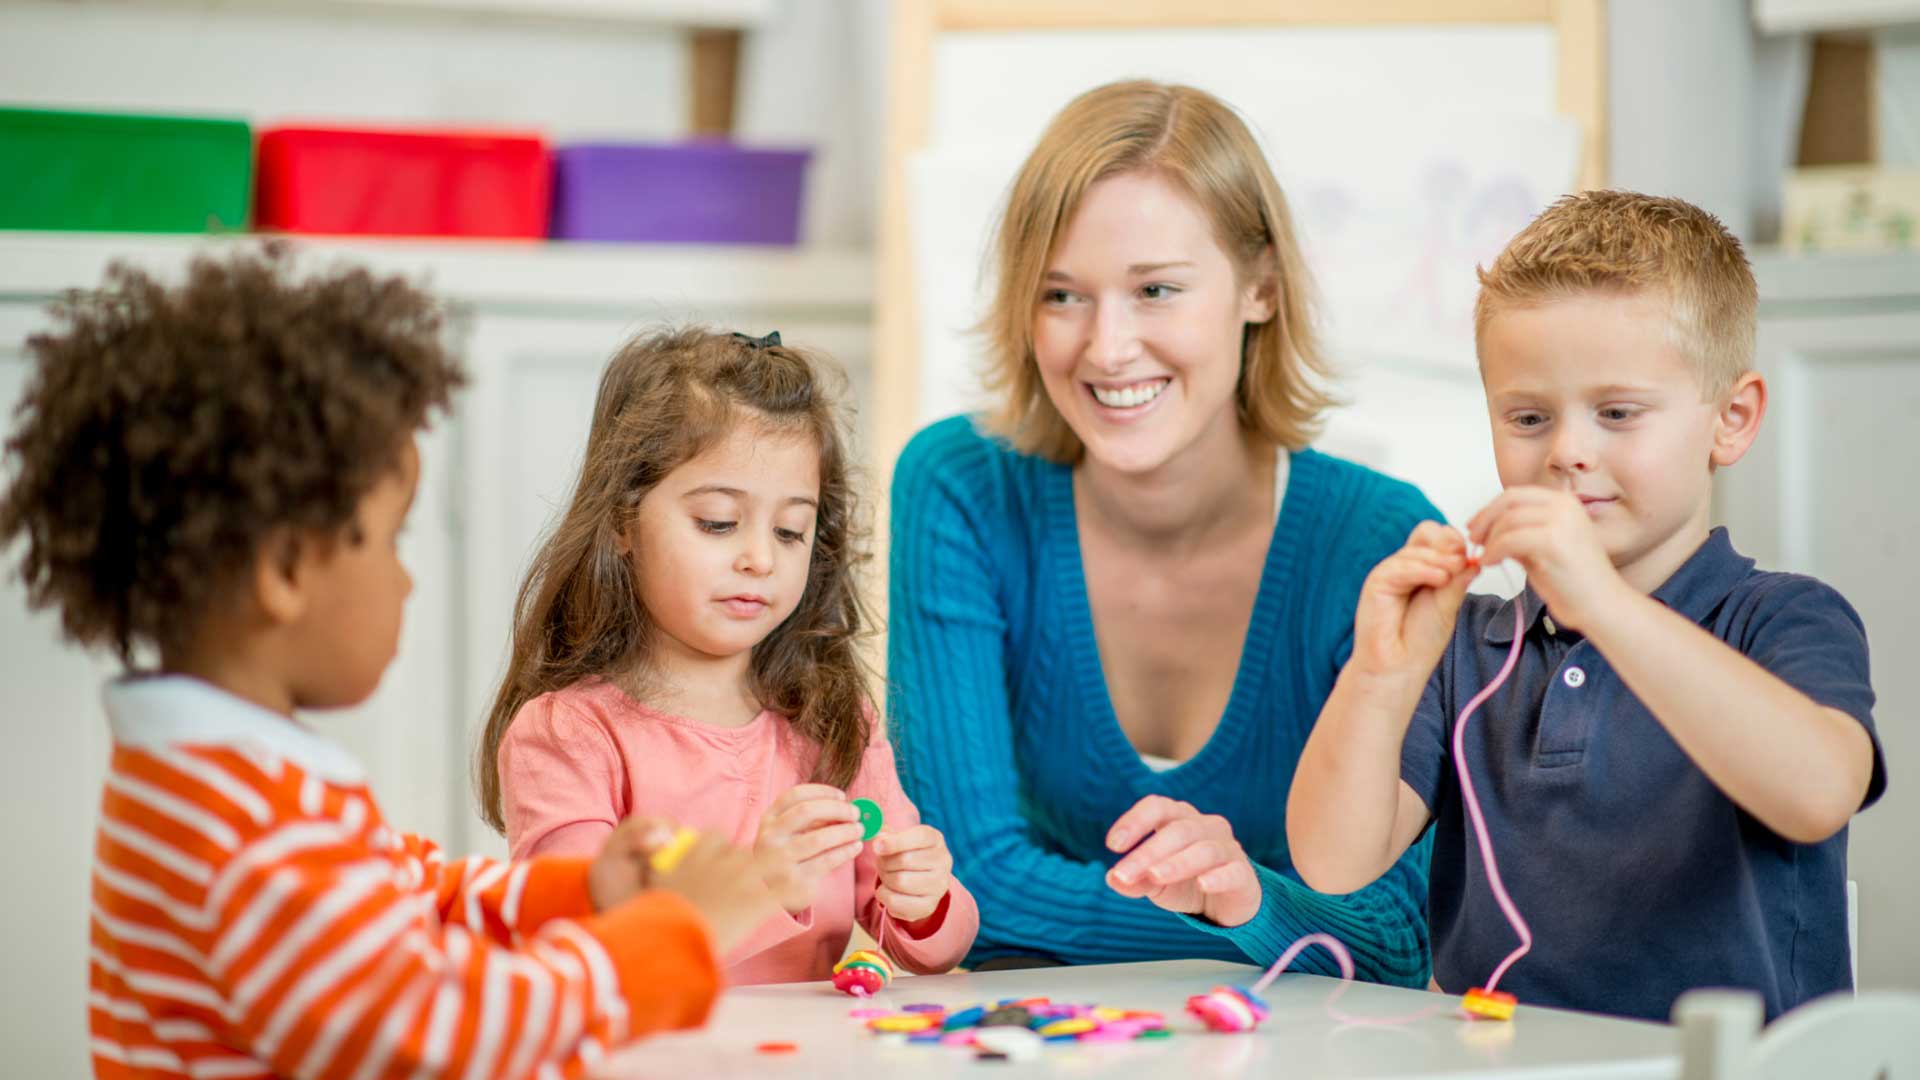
(1339, 951)
(1473, 804)
(1345, 960)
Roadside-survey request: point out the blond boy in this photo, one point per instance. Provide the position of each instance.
(1668, 773)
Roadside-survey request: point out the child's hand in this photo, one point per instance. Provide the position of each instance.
(620, 870)
(726, 884)
(916, 869)
(1409, 602)
(1186, 861)
(1549, 534)
(809, 832)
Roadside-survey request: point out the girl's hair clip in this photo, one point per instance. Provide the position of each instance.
(772, 339)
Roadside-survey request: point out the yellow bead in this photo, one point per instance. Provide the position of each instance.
(664, 860)
(1494, 1005)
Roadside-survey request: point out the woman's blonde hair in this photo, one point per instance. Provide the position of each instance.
(664, 399)
(1202, 145)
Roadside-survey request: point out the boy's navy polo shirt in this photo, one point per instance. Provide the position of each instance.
(1639, 879)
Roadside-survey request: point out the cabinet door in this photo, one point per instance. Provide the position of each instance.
(408, 734)
(1829, 490)
(50, 780)
(523, 425)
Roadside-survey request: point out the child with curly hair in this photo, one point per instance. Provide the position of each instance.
(687, 644)
(209, 480)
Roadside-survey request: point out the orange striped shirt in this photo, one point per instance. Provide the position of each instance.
(253, 915)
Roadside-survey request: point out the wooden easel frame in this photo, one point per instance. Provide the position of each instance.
(1579, 25)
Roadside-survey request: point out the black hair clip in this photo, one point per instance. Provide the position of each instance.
(772, 338)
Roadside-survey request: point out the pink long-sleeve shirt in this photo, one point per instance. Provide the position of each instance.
(577, 761)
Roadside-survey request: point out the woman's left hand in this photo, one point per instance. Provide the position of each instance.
(916, 870)
(1185, 861)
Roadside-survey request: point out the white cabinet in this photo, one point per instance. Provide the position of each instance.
(1830, 489)
(50, 778)
(534, 325)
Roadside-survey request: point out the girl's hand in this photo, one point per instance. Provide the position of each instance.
(1549, 534)
(1408, 605)
(916, 869)
(809, 832)
(1185, 861)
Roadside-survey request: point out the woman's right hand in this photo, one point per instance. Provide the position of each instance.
(810, 831)
(1184, 861)
(1409, 602)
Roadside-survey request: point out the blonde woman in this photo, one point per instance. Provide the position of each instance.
(1119, 601)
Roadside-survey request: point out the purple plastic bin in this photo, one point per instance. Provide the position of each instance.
(692, 193)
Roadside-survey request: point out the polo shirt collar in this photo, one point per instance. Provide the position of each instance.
(1694, 590)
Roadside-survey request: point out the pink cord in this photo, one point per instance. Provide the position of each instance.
(1345, 960)
(1473, 803)
(1339, 951)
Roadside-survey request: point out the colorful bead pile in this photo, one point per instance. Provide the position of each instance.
(863, 973)
(1015, 1029)
(1228, 1008)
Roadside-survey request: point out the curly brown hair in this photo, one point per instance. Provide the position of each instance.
(664, 399)
(165, 432)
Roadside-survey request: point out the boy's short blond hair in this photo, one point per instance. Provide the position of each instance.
(1622, 241)
(1199, 142)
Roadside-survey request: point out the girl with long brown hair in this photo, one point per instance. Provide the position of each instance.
(686, 645)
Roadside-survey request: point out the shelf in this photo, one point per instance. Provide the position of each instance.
(1820, 277)
(650, 14)
(1788, 16)
(495, 274)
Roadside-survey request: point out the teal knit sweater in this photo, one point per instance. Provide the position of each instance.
(1008, 742)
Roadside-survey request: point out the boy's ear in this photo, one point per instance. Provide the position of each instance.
(279, 573)
(1738, 421)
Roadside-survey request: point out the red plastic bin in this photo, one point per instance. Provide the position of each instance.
(403, 183)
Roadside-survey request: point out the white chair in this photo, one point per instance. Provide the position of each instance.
(1870, 1036)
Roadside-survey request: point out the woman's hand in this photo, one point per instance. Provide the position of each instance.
(809, 832)
(916, 870)
(1184, 861)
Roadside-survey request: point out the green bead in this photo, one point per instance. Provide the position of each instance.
(869, 818)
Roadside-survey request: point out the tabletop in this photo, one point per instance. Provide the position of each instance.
(1301, 1038)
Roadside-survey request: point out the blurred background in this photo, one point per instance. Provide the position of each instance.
(565, 173)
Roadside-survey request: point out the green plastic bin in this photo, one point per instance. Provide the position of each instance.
(105, 172)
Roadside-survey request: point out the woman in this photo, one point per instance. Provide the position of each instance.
(1118, 602)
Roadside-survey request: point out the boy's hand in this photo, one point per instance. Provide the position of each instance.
(916, 869)
(726, 884)
(809, 832)
(1550, 535)
(1185, 861)
(620, 870)
(1409, 602)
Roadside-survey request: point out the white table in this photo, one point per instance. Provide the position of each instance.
(1299, 1040)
